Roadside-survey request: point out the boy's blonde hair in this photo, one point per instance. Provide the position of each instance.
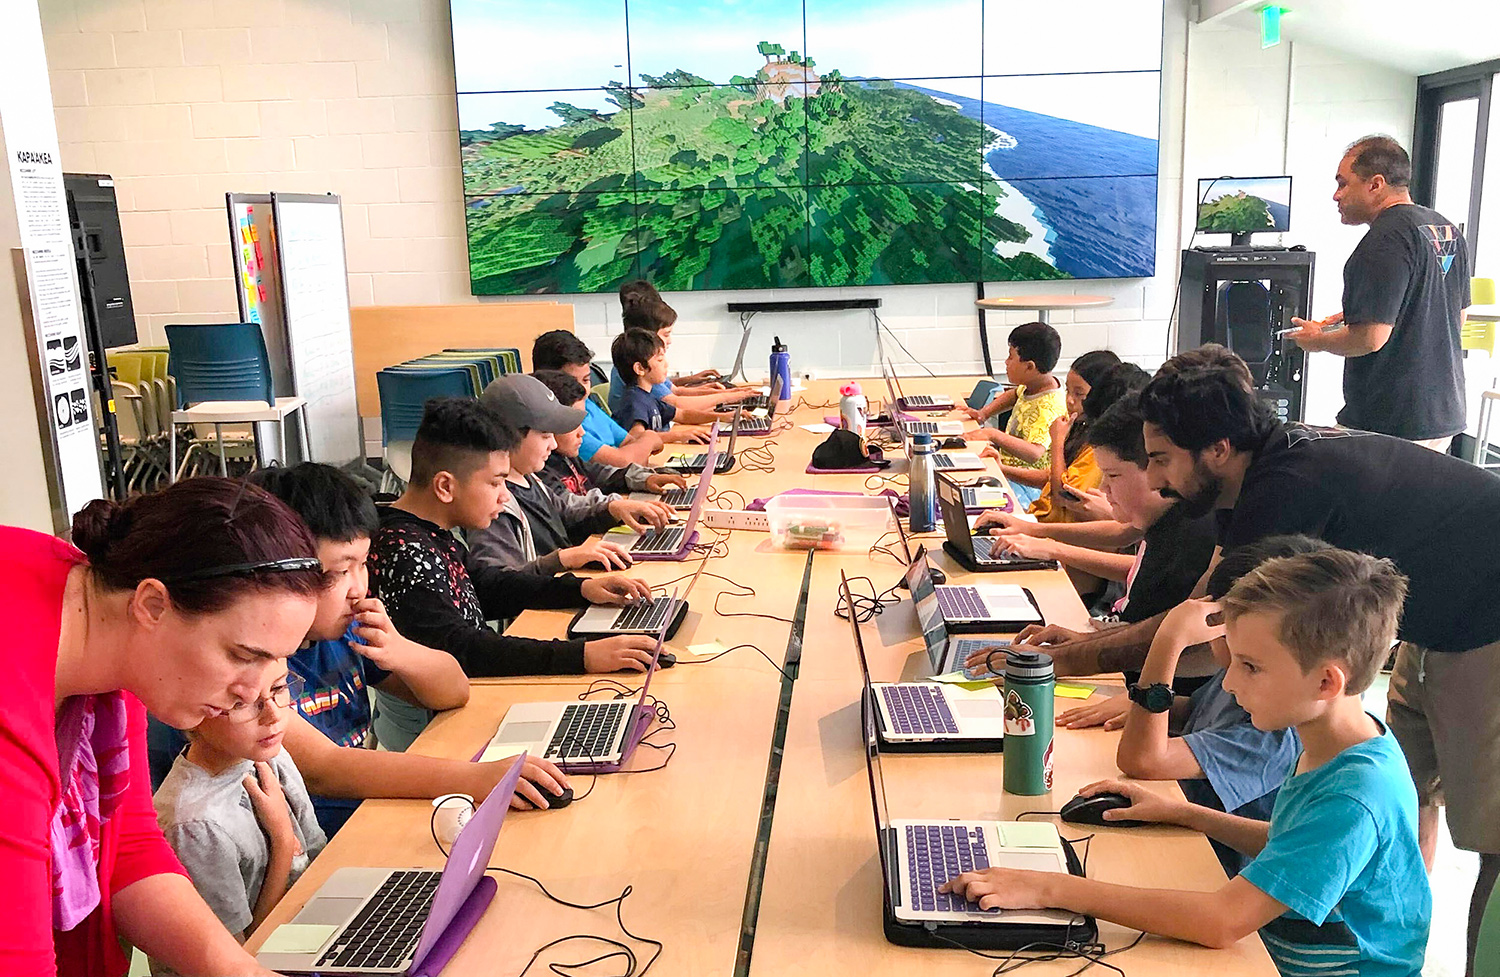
(1334, 605)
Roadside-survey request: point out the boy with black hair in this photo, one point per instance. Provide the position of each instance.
(1038, 401)
(567, 471)
(603, 441)
(460, 460)
(538, 529)
(640, 356)
(1334, 883)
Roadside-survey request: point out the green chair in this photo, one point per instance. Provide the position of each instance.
(599, 393)
(1487, 947)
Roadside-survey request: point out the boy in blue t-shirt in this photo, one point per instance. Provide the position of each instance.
(1335, 883)
(1214, 752)
(604, 441)
(641, 356)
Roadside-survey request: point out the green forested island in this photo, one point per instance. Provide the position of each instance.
(783, 178)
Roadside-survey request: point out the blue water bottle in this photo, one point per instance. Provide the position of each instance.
(921, 488)
(781, 365)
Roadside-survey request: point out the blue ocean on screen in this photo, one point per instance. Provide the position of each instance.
(1094, 187)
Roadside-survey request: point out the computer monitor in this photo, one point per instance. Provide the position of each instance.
(1244, 205)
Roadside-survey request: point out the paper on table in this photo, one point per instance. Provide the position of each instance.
(962, 681)
(817, 428)
(1028, 834)
(714, 647)
(1073, 691)
(297, 938)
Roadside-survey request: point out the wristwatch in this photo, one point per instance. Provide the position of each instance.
(1152, 698)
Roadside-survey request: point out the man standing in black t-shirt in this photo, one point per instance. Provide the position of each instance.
(1405, 288)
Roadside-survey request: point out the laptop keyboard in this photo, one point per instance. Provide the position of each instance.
(922, 400)
(385, 933)
(961, 604)
(918, 709)
(942, 461)
(936, 853)
(667, 539)
(678, 498)
(754, 425)
(648, 615)
(921, 427)
(588, 730)
(984, 549)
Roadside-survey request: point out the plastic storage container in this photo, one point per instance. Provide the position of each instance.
(828, 522)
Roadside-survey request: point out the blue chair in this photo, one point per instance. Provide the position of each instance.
(224, 370)
(983, 393)
(404, 393)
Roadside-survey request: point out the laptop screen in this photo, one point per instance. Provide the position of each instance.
(929, 615)
(877, 782)
(467, 862)
(701, 492)
(955, 516)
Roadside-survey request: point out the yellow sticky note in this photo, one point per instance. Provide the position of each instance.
(704, 650)
(1028, 834)
(297, 938)
(1073, 691)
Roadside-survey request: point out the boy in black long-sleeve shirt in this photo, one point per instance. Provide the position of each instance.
(460, 460)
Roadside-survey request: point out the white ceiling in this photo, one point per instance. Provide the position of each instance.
(1419, 38)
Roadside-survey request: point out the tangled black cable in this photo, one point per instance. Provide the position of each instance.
(746, 591)
(720, 654)
(865, 608)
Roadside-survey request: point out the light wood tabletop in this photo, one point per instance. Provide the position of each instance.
(688, 839)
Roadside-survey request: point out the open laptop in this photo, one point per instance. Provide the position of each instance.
(930, 717)
(673, 542)
(918, 856)
(973, 608)
(725, 461)
(401, 921)
(643, 617)
(580, 737)
(916, 402)
(753, 424)
(758, 402)
(978, 553)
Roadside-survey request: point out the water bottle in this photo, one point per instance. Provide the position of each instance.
(921, 492)
(852, 407)
(1029, 687)
(781, 365)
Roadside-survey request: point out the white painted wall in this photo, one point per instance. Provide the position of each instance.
(182, 100)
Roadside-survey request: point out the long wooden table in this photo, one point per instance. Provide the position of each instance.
(765, 804)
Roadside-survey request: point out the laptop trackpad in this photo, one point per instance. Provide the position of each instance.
(328, 911)
(986, 708)
(522, 732)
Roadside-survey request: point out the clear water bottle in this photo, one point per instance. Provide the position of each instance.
(1030, 684)
(921, 490)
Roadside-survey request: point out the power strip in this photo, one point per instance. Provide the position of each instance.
(735, 519)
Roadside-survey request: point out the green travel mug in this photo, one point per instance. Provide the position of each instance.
(1029, 686)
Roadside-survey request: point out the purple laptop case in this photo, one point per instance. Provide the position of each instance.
(464, 890)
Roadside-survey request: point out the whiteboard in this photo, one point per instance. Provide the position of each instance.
(309, 243)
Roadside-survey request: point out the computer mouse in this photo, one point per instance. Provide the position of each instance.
(666, 660)
(986, 481)
(1090, 810)
(954, 443)
(554, 801)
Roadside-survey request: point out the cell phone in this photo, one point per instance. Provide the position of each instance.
(1072, 493)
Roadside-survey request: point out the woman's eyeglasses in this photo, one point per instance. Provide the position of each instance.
(281, 695)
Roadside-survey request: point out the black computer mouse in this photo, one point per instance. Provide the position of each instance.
(1090, 810)
(554, 801)
(959, 443)
(666, 660)
(986, 481)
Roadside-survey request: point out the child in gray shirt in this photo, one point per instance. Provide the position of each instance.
(236, 812)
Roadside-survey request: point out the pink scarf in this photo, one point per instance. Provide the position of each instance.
(94, 763)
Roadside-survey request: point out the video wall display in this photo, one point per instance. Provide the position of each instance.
(725, 145)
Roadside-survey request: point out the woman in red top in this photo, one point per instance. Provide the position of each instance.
(179, 600)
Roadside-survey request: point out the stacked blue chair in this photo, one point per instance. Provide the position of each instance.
(404, 392)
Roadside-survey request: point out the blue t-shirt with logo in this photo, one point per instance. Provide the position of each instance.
(617, 388)
(599, 429)
(335, 698)
(1343, 858)
(645, 408)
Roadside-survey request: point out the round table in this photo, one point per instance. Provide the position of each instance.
(1041, 303)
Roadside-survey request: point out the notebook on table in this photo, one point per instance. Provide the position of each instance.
(397, 921)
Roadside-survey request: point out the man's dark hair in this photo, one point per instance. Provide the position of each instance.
(631, 347)
(557, 349)
(1237, 562)
(564, 387)
(1210, 356)
(333, 505)
(456, 435)
(1380, 154)
(1201, 406)
(1119, 430)
(1037, 342)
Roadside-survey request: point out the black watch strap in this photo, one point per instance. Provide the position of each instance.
(1152, 698)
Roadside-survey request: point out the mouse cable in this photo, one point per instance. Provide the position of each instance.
(722, 499)
(1044, 951)
(881, 481)
(618, 948)
(745, 590)
(866, 607)
(720, 654)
